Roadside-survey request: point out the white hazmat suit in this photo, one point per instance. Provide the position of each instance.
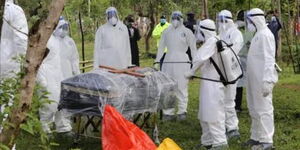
(112, 45)
(233, 37)
(177, 38)
(261, 77)
(13, 39)
(51, 74)
(211, 108)
(69, 54)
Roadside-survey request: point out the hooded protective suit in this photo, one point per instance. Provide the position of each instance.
(13, 38)
(112, 45)
(68, 50)
(177, 40)
(211, 107)
(51, 74)
(261, 77)
(232, 36)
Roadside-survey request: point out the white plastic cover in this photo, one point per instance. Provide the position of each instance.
(88, 93)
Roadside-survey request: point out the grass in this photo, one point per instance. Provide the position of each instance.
(187, 133)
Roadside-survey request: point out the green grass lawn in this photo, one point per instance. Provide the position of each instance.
(187, 133)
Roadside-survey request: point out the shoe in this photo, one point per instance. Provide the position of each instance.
(233, 134)
(169, 118)
(221, 147)
(250, 143)
(263, 146)
(181, 117)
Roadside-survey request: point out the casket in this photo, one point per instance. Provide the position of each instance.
(87, 93)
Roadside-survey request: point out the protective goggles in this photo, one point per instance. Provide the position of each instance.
(223, 18)
(64, 26)
(206, 28)
(111, 14)
(254, 15)
(176, 16)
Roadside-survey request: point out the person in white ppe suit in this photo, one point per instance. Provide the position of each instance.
(68, 51)
(229, 33)
(50, 75)
(211, 107)
(177, 38)
(112, 45)
(261, 77)
(13, 39)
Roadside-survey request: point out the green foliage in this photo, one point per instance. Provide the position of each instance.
(9, 98)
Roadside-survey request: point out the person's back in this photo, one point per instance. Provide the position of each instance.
(13, 38)
(112, 46)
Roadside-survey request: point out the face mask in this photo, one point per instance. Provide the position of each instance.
(200, 36)
(273, 18)
(222, 27)
(64, 33)
(251, 27)
(163, 21)
(61, 33)
(175, 23)
(113, 21)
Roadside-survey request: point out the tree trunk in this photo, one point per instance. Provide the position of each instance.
(205, 9)
(38, 38)
(82, 40)
(151, 28)
(2, 3)
(279, 33)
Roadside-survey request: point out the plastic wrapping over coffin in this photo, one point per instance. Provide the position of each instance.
(87, 93)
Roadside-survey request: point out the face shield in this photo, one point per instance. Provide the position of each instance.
(251, 27)
(222, 22)
(62, 29)
(204, 27)
(176, 19)
(112, 16)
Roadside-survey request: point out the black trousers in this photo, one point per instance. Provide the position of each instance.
(238, 98)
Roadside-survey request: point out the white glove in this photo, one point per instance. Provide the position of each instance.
(267, 88)
(189, 75)
(156, 66)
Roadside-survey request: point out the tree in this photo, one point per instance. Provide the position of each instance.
(38, 38)
(2, 2)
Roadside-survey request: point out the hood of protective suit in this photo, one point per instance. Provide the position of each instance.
(256, 15)
(60, 30)
(179, 22)
(208, 28)
(9, 1)
(223, 16)
(112, 21)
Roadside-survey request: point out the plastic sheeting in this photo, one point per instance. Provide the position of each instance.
(87, 93)
(120, 134)
(168, 144)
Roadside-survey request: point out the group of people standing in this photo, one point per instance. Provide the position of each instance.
(177, 56)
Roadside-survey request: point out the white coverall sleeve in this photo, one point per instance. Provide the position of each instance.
(192, 43)
(128, 49)
(97, 49)
(75, 59)
(207, 50)
(268, 45)
(161, 47)
(237, 41)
